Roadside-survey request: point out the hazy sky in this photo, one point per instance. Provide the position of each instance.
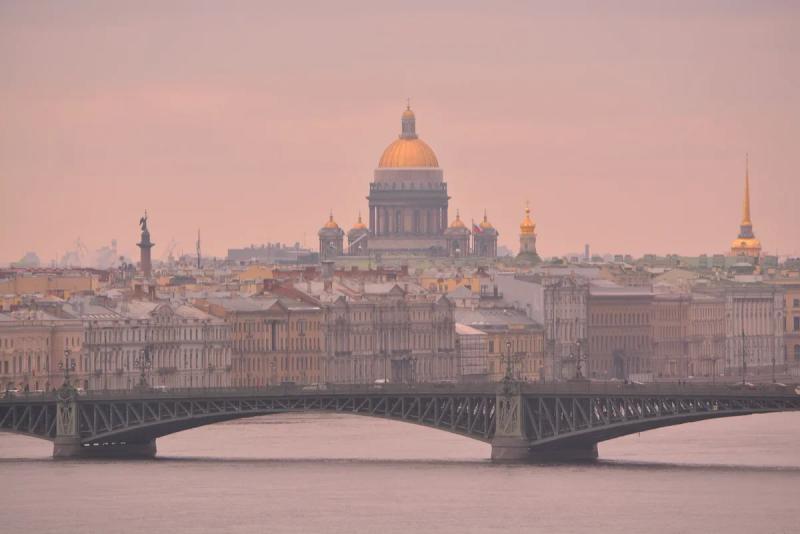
(624, 125)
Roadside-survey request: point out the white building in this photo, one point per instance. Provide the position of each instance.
(185, 346)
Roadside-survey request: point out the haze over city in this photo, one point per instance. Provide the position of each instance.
(421, 266)
(625, 125)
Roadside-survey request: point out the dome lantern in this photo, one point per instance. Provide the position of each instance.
(408, 150)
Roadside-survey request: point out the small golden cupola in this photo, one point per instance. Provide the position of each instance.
(485, 224)
(457, 223)
(527, 226)
(331, 224)
(359, 225)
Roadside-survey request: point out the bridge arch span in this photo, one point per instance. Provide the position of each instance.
(522, 422)
(115, 423)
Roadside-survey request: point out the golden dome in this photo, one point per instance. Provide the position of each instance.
(527, 226)
(485, 224)
(408, 150)
(359, 225)
(457, 222)
(408, 153)
(331, 223)
(746, 243)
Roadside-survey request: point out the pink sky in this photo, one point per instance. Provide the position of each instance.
(625, 126)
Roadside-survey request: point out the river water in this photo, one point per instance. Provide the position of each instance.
(340, 473)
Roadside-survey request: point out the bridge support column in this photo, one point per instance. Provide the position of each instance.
(509, 443)
(68, 439)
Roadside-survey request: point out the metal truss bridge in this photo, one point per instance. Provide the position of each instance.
(522, 422)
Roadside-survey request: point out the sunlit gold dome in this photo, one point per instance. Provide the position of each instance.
(527, 226)
(359, 225)
(485, 224)
(408, 150)
(457, 223)
(746, 243)
(331, 223)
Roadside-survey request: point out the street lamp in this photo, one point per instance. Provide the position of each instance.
(143, 362)
(579, 360)
(67, 365)
(773, 367)
(509, 370)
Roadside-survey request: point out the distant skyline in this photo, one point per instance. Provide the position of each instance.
(625, 125)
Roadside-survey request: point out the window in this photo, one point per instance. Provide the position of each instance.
(797, 324)
(797, 353)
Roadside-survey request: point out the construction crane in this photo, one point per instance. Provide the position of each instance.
(168, 255)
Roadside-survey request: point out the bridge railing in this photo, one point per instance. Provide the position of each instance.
(577, 387)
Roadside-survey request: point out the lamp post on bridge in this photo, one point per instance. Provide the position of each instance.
(579, 361)
(773, 367)
(67, 365)
(144, 362)
(509, 375)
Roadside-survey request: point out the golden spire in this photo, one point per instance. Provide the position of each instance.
(746, 211)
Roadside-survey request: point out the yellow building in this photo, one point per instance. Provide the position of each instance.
(60, 285)
(273, 340)
(791, 336)
(446, 282)
(33, 344)
(746, 244)
(514, 341)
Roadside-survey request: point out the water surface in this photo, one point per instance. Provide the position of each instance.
(340, 473)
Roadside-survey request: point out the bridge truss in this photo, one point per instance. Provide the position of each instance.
(521, 421)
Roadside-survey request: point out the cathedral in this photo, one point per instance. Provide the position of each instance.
(408, 209)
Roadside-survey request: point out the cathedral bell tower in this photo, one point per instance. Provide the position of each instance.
(527, 239)
(331, 240)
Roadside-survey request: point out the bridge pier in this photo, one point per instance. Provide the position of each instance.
(517, 450)
(65, 448)
(509, 443)
(68, 443)
(512, 445)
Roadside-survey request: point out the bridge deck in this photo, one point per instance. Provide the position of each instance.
(517, 418)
